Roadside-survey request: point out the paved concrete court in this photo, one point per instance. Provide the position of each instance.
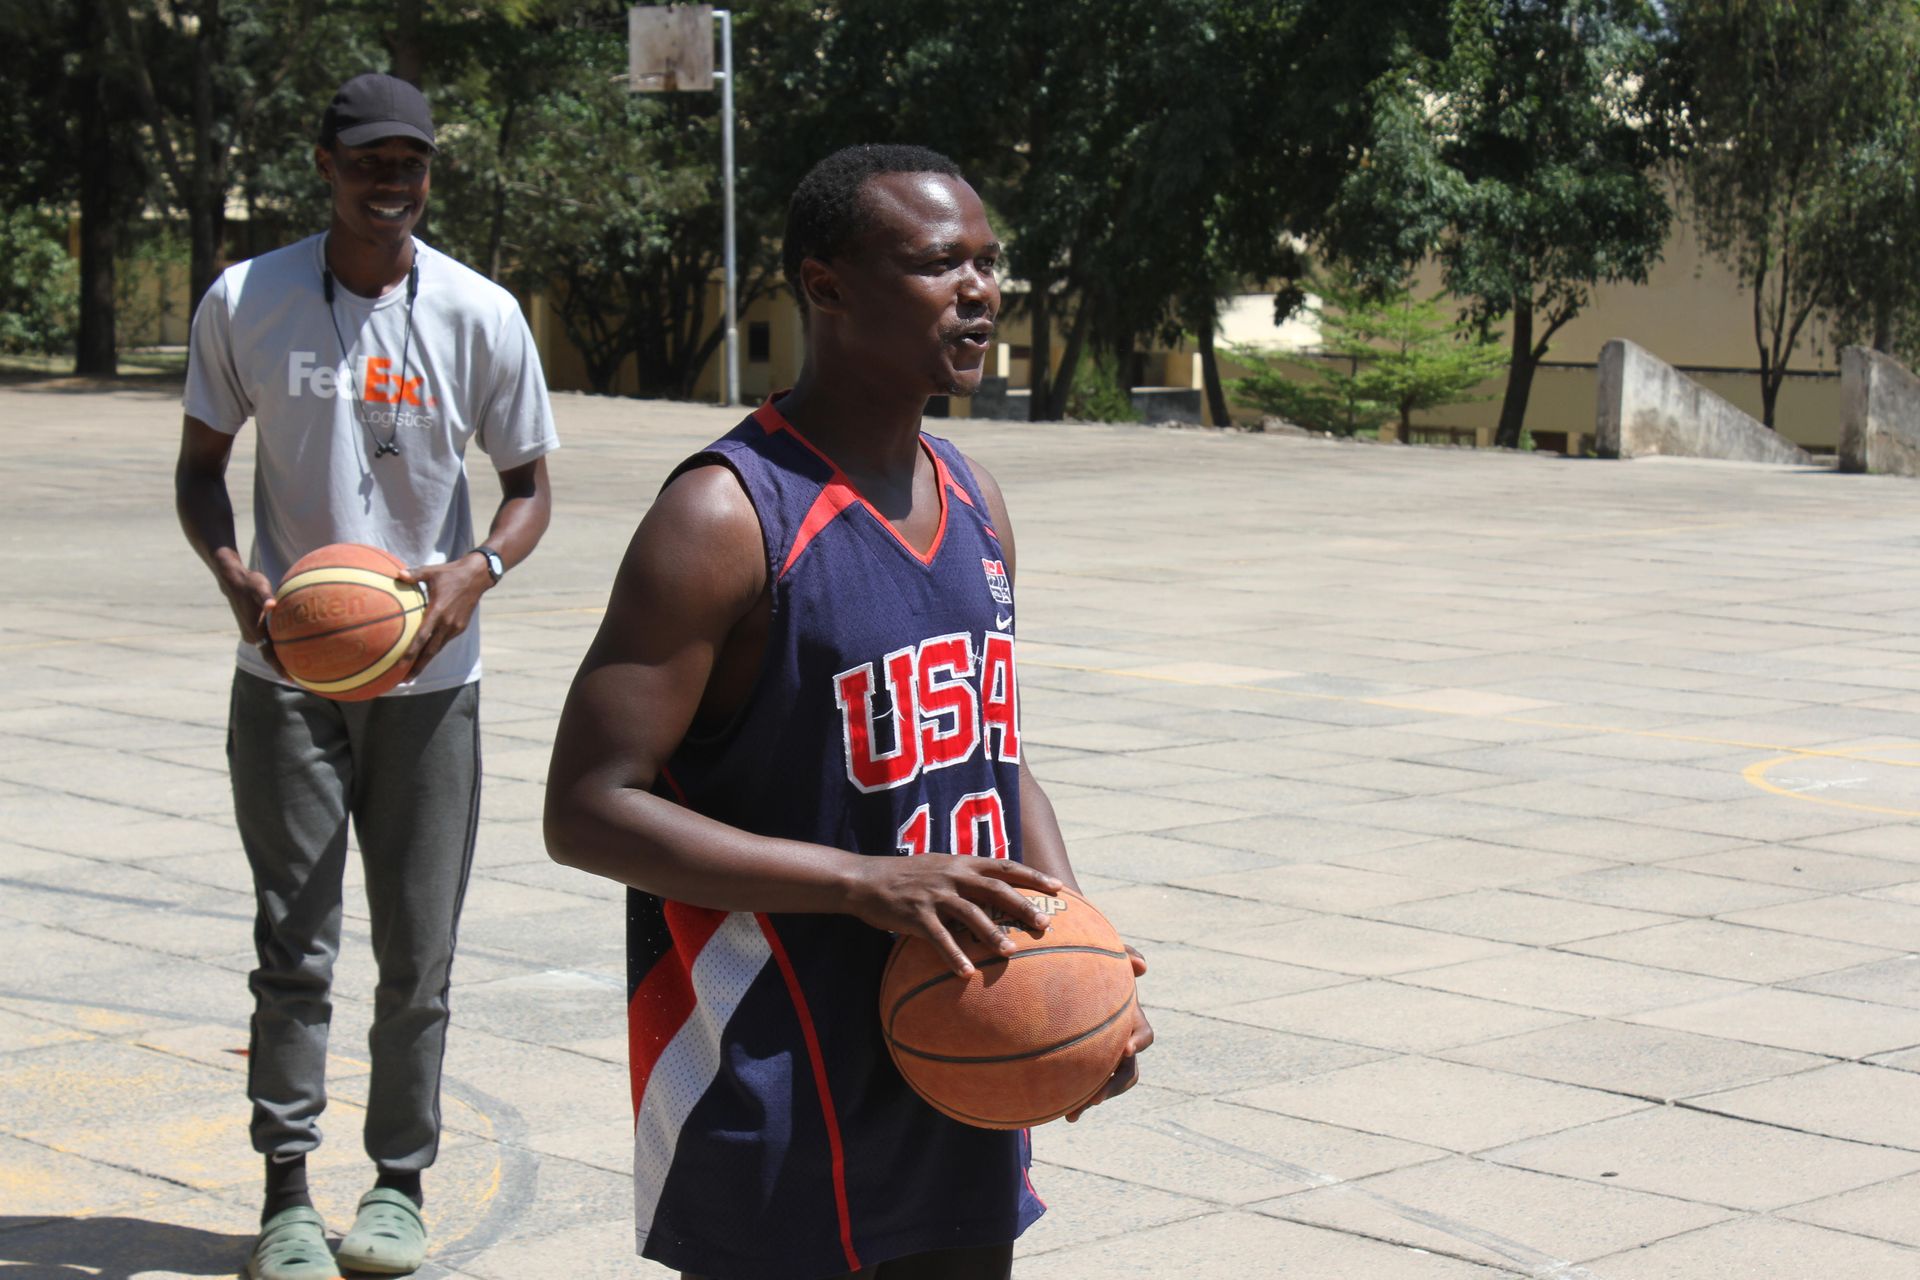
(1524, 850)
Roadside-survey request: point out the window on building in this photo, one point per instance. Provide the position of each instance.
(759, 342)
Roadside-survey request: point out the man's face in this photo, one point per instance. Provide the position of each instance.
(919, 291)
(379, 190)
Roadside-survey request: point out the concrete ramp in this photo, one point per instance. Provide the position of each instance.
(1649, 408)
(1881, 430)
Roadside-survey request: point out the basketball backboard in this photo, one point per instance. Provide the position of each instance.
(670, 48)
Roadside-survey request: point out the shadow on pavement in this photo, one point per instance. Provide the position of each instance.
(114, 1249)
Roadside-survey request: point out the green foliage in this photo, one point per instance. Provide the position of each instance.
(1141, 156)
(1389, 355)
(1099, 395)
(1799, 125)
(150, 262)
(1524, 158)
(557, 178)
(1274, 385)
(39, 284)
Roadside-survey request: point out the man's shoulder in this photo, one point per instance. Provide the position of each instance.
(253, 289)
(301, 258)
(465, 287)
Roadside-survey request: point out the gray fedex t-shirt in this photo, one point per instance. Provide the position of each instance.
(263, 348)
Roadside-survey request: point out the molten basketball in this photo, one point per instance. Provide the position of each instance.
(1030, 1035)
(342, 621)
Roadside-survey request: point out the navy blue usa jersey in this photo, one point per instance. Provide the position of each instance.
(774, 1139)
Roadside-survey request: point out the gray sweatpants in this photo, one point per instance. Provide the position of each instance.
(406, 772)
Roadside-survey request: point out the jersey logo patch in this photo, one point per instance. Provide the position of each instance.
(997, 580)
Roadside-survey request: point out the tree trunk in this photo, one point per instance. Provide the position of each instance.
(1770, 380)
(1070, 362)
(96, 345)
(206, 198)
(204, 247)
(1210, 376)
(405, 43)
(1040, 353)
(1513, 406)
(496, 229)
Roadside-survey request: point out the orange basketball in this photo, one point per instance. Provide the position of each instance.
(1029, 1035)
(342, 621)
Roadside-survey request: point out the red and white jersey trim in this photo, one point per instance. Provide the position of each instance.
(726, 966)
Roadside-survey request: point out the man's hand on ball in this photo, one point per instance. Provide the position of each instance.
(250, 595)
(929, 895)
(453, 593)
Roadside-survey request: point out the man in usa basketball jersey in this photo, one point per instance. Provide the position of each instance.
(807, 669)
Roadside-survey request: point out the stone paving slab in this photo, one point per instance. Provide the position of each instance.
(1884, 1210)
(1640, 1062)
(1691, 1155)
(1481, 1212)
(1763, 1249)
(1524, 852)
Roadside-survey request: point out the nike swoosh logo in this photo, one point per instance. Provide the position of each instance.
(1003, 621)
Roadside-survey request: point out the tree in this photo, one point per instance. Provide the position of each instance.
(1525, 161)
(1861, 226)
(65, 147)
(1050, 112)
(173, 55)
(37, 284)
(1796, 122)
(1141, 157)
(230, 92)
(1402, 356)
(1237, 180)
(563, 181)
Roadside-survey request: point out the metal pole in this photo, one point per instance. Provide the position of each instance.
(726, 163)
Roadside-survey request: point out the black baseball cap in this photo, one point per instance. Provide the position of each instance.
(371, 107)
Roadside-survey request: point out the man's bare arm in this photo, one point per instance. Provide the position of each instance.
(454, 588)
(692, 574)
(205, 508)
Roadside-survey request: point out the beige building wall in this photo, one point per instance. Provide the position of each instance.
(1693, 313)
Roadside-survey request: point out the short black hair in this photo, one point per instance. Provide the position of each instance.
(827, 216)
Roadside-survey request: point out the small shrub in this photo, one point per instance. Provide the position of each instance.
(1097, 394)
(39, 285)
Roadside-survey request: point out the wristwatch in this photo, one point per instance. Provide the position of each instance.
(496, 567)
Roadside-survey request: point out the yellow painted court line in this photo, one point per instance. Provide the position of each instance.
(1756, 773)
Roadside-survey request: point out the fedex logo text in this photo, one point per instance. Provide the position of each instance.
(378, 383)
(936, 714)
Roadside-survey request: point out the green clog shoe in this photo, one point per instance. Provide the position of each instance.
(292, 1246)
(389, 1237)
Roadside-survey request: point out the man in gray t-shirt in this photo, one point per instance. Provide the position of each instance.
(367, 362)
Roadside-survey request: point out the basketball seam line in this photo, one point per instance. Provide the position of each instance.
(949, 976)
(967, 1117)
(1013, 1057)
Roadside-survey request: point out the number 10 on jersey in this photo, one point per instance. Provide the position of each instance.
(977, 827)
